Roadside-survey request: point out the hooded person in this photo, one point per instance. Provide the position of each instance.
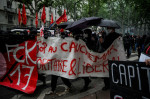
(112, 35)
(90, 40)
(78, 34)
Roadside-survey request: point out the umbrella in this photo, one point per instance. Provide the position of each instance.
(64, 24)
(84, 23)
(109, 23)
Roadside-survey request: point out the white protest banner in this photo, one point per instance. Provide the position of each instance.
(71, 59)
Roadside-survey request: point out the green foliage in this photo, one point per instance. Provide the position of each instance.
(127, 12)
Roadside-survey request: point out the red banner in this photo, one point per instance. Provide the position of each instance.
(18, 66)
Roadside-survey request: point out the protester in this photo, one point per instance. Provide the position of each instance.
(107, 42)
(99, 42)
(132, 44)
(42, 78)
(55, 78)
(141, 45)
(147, 49)
(101, 36)
(147, 61)
(87, 39)
(54, 83)
(126, 40)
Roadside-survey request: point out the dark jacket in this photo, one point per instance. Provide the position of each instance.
(147, 46)
(109, 39)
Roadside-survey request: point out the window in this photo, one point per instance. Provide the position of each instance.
(9, 4)
(10, 19)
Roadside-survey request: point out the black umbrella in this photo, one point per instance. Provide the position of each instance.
(84, 23)
(64, 24)
(109, 23)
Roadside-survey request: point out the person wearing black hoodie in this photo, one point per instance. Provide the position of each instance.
(107, 42)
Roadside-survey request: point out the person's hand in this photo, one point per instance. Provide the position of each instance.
(147, 61)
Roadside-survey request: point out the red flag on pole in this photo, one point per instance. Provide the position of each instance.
(62, 18)
(19, 16)
(52, 21)
(24, 17)
(41, 31)
(43, 17)
(36, 20)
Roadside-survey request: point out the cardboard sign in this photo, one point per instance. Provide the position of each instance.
(129, 80)
(71, 59)
(18, 68)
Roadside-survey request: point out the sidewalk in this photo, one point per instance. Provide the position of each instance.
(93, 91)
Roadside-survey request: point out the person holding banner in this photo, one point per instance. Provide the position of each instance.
(147, 49)
(106, 43)
(77, 34)
(91, 43)
(55, 78)
(54, 83)
(147, 61)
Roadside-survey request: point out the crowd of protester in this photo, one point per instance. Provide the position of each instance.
(99, 42)
(134, 43)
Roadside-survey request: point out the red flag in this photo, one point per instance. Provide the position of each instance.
(24, 17)
(19, 16)
(62, 18)
(52, 21)
(61, 30)
(36, 20)
(41, 31)
(43, 17)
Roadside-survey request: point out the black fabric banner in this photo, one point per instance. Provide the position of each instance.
(129, 80)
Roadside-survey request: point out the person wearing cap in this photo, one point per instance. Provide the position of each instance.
(112, 35)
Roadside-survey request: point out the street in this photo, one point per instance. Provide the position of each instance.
(94, 91)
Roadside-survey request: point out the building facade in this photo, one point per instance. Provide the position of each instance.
(9, 15)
